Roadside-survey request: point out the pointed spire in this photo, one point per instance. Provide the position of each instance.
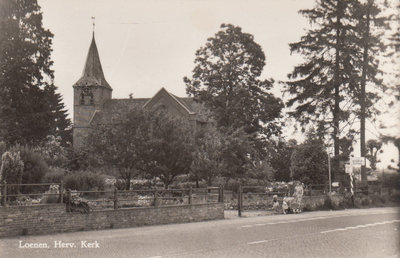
(93, 72)
(93, 19)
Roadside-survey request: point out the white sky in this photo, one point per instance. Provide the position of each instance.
(148, 44)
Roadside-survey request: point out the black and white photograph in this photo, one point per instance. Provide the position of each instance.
(199, 128)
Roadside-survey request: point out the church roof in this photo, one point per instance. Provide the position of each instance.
(113, 108)
(92, 74)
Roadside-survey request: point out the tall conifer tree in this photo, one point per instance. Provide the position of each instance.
(30, 108)
(322, 81)
(369, 33)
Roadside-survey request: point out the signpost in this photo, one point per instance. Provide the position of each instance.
(348, 169)
(357, 161)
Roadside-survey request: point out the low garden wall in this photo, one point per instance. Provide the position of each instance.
(53, 218)
(318, 202)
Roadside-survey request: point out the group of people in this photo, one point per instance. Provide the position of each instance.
(290, 204)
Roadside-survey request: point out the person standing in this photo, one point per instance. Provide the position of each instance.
(298, 196)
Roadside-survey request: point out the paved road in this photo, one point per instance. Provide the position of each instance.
(347, 233)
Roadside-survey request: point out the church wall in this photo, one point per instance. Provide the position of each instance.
(79, 135)
(170, 104)
(101, 94)
(83, 114)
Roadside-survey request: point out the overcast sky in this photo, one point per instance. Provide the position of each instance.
(148, 44)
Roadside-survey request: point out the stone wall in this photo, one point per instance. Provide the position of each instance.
(47, 219)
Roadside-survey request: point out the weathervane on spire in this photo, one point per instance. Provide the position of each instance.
(93, 19)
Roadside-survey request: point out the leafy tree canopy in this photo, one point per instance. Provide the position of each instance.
(373, 147)
(280, 159)
(309, 162)
(146, 144)
(226, 78)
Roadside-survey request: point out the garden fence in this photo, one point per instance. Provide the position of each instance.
(260, 196)
(84, 201)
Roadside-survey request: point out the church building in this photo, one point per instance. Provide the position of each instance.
(93, 102)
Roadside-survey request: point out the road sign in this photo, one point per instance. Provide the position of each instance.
(357, 161)
(349, 169)
(335, 184)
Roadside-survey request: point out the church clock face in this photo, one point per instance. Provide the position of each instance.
(86, 91)
(86, 97)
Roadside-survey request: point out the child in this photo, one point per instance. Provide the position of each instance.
(275, 203)
(285, 206)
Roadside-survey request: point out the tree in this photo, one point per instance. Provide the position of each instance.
(146, 144)
(59, 125)
(340, 54)
(373, 147)
(395, 52)
(238, 154)
(309, 162)
(261, 170)
(226, 78)
(22, 165)
(34, 165)
(369, 32)
(280, 160)
(170, 147)
(207, 160)
(122, 145)
(53, 152)
(29, 107)
(318, 85)
(11, 168)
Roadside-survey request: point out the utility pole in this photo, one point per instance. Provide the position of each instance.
(336, 111)
(329, 171)
(362, 93)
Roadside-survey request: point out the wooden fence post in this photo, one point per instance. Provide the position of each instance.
(240, 201)
(222, 193)
(190, 195)
(115, 199)
(155, 198)
(69, 200)
(61, 192)
(4, 194)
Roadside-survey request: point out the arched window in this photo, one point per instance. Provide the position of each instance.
(91, 99)
(82, 99)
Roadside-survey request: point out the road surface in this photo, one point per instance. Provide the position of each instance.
(346, 233)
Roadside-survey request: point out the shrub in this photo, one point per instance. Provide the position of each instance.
(120, 184)
(391, 180)
(84, 181)
(53, 152)
(395, 197)
(34, 165)
(11, 168)
(54, 175)
(77, 160)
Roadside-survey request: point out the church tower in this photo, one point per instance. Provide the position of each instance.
(90, 93)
